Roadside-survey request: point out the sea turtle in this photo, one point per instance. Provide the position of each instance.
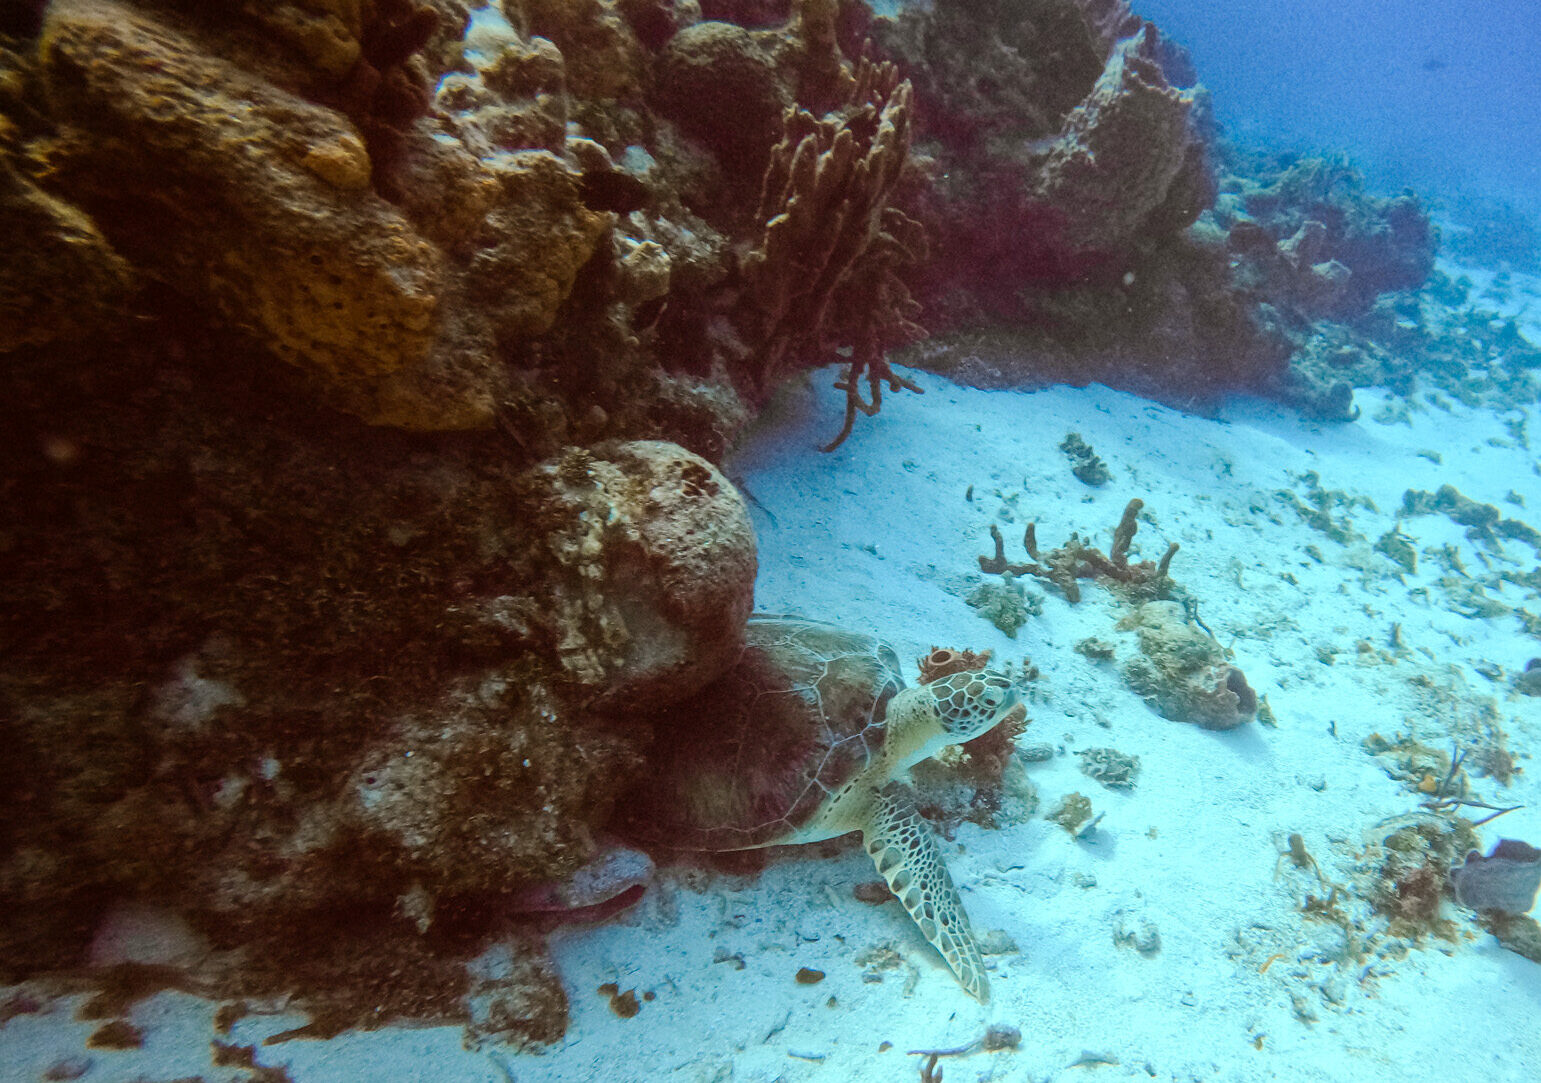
(808, 736)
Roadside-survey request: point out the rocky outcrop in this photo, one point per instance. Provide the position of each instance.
(1127, 160)
(1183, 673)
(651, 571)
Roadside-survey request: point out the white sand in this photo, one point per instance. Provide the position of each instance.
(879, 536)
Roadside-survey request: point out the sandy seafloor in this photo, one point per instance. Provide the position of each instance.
(879, 536)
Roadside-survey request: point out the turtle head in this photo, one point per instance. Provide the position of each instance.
(951, 710)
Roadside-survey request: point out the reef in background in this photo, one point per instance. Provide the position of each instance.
(1090, 223)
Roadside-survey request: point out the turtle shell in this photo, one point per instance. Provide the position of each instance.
(754, 756)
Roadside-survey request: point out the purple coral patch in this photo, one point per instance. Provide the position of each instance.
(1505, 880)
(614, 880)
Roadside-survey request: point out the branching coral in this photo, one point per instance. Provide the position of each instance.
(1076, 560)
(829, 234)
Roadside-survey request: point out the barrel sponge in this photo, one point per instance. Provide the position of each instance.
(1122, 153)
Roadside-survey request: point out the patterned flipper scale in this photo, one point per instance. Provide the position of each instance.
(904, 850)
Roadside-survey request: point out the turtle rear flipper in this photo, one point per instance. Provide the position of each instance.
(906, 855)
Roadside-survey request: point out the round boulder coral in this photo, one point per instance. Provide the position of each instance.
(653, 577)
(719, 83)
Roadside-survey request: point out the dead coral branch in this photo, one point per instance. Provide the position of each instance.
(1077, 560)
(830, 241)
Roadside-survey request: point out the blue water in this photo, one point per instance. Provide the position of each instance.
(1439, 95)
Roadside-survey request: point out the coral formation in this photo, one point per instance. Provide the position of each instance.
(1407, 873)
(1084, 232)
(1076, 560)
(649, 575)
(1183, 673)
(719, 83)
(1005, 604)
(1057, 131)
(1330, 246)
(1127, 158)
(944, 662)
(1485, 523)
(285, 675)
(229, 213)
(1520, 933)
(290, 214)
(347, 696)
(1073, 813)
(1112, 768)
(830, 238)
(1086, 464)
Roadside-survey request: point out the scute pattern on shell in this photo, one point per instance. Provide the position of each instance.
(751, 758)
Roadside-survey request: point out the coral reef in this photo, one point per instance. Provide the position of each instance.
(1089, 224)
(719, 83)
(270, 222)
(1331, 247)
(601, 207)
(1056, 131)
(388, 669)
(368, 370)
(288, 673)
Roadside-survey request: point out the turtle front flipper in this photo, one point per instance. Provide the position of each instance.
(905, 852)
